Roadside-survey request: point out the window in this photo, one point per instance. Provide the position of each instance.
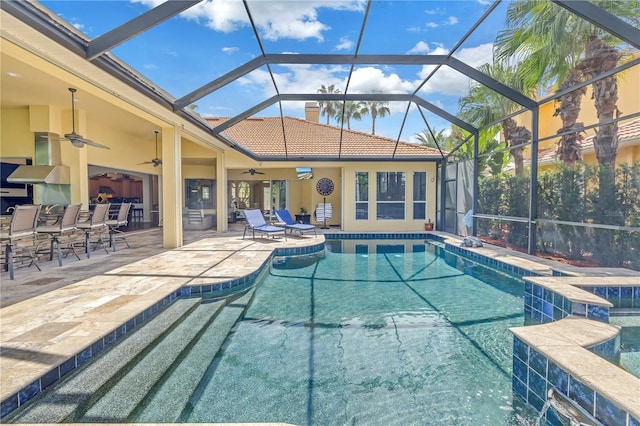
(419, 195)
(278, 194)
(362, 195)
(390, 195)
(200, 193)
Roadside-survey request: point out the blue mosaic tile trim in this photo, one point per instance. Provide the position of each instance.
(297, 251)
(380, 236)
(534, 375)
(30, 391)
(460, 251)
(223, 288)
(621, 297)
(544, 305)
(493, 263)
(609, 350)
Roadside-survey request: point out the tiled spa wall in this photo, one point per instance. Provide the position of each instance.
(534, 375)
(544, 305)
(621, 297)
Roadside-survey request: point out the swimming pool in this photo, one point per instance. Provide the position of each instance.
(375, 333)
(365, 332)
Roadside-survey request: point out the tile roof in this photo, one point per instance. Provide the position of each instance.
(264, 137)
(627, 133)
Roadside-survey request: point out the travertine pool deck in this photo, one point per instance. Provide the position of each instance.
(41, 332)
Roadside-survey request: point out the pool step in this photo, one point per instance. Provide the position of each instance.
(123, 398)
(168, 401)
(60, 402)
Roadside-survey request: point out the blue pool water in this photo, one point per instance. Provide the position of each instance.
(372, 333)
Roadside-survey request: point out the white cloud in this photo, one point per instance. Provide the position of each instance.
(230, 50)
(170, 52)
(476, 56)
(431, 25)
(451, 20)
(448, 81)
(371, 79)
(306, 78)
(420, 47)
(274, 19)
(345, 44)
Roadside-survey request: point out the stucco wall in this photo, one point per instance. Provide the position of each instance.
(372, 224)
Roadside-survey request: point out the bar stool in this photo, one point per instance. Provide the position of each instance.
(65, 226)
(113, 224)
(137, 214)
(97, 221)
(23, 225)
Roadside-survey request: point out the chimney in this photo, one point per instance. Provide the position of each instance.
(312, 112)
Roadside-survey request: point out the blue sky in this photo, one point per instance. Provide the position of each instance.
(215, 37)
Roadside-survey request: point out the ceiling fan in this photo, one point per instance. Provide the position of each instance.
(253, 172)
(155, 161)
(75, 139)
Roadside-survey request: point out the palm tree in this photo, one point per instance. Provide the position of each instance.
(569, 108)
(439, 139)
(377, 109)
(556, 45)
(355, 110)
(483, 106)
(537, 34)
(328, 108)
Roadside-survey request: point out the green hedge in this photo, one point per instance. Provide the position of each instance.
(570, 195)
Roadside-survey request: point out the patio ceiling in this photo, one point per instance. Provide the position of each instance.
(416, 106)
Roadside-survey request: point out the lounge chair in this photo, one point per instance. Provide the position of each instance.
(256, 222)
(285, 217)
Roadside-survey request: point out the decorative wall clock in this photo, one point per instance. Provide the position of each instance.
(324, 186)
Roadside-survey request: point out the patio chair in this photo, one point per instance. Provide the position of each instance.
(97, 222)
(122, 219)
(256, 222)
(65, 226)
(23, 226)
(285, 217)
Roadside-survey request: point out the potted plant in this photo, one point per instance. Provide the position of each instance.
(428, 226)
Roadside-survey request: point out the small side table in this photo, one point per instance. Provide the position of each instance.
(303, 218)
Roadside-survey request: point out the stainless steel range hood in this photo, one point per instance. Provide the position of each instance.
(41, 174)
(47, 168)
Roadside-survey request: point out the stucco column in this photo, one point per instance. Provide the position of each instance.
(222, 200)
(147, 197)
(172, 187)
(77, 160)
